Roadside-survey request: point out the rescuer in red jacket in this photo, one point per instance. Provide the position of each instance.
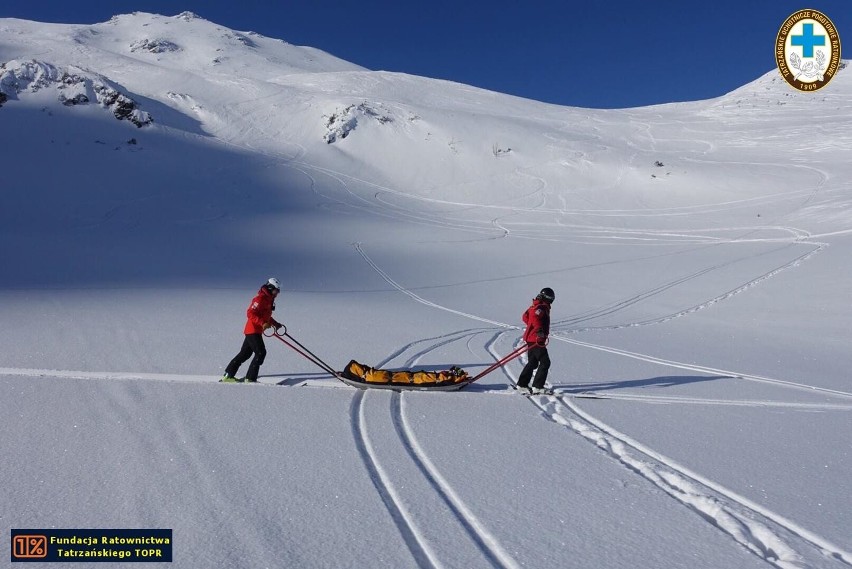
(537, 319)
(260, 318)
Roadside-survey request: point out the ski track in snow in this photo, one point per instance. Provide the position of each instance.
(622, 304)
(708, 370)
(761, 531)
(404, 515)
(421, 300)
(768, 535)
(442, 340)
(476, 530)
(411, 535)
(669, 400)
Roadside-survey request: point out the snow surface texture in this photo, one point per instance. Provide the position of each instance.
(700, 253)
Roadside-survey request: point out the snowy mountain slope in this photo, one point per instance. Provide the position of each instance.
(698, 250)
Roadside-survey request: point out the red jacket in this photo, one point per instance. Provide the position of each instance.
(260, 312)
(537, 319)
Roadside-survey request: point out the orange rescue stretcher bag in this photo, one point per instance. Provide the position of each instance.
(361, 373)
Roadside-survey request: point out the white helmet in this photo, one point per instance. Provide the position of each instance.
(273, 283)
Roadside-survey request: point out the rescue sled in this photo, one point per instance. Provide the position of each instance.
(365, 377)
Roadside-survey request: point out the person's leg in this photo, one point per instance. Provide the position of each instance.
(526, 373)
(259, 349)
(543, 366)
(245, 353)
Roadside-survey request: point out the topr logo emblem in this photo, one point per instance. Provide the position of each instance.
(807, 50)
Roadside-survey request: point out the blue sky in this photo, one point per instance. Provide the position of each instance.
(589, 54)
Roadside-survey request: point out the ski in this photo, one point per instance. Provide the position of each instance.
(527, 392)
(243, 382)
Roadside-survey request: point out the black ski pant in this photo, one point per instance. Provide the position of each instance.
(253, 344)
(537, 358)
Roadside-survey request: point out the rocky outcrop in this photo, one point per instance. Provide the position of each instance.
(154, 46)
(342, 122)
(74, 87)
